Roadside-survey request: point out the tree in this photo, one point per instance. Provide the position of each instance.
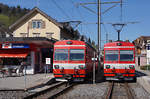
(18, 9)
(89, 40)
(13, 10)
(93, 43)
(82, 38)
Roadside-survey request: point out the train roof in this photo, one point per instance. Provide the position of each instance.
(74, 42)
(119, 43)
(65, 42)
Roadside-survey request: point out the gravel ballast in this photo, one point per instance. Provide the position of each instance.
(86, 91)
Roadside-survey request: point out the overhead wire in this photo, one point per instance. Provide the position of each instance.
(61, 9)
(121, 11)
(81, 16)
(56, 14)
(72, 8)
(78, 11)
(105, 29)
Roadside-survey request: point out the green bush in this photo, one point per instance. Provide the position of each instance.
(145, 67)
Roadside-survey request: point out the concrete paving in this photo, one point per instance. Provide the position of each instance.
(144, 79)
(24, 82)
(31, 81)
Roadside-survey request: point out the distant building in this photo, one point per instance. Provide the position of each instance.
(142, 45)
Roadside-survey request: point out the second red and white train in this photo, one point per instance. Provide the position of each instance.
(119, 61)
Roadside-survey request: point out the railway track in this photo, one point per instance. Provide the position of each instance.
(51, 92)
(119, 91)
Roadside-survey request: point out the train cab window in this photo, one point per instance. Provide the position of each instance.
(61, 54)
(76, 54)
(111, 55)
(126, 55)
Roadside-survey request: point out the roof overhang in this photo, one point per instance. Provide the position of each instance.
(13, 55)
(40, 41)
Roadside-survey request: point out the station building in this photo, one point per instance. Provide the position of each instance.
(32, 51)
(31, 40)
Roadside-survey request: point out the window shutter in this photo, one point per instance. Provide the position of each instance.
(30, 25)
(43, 24)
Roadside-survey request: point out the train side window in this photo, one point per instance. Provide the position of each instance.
(111, 55)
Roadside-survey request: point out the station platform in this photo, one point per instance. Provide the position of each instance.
(25, 82)
(143, 78)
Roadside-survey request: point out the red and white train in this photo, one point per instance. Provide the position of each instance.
(72, 60)
(119, 61)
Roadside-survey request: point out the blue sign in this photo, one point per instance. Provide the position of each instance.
(20, 46)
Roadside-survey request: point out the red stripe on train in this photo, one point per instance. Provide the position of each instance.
(119, 70)
(73, 75)
(69, 71)
(132, 75)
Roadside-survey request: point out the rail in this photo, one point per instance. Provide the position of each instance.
(110, 90)
(123, 90)
(129, 92)
(51, 92)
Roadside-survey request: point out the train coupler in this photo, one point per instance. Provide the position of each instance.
(119, 75)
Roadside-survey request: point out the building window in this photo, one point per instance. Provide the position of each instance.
(49, 35)
(24, 34)
(36, 24)
(36, 34)
(148, 47)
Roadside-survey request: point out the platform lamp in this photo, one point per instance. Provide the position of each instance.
(118, 27)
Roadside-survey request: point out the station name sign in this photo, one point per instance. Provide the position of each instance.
(16, 45)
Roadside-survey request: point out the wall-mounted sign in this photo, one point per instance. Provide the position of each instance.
(20, 45)
(10, 45)
(7, 45)
(48, 61)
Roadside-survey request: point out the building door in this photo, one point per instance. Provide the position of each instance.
(138, 60)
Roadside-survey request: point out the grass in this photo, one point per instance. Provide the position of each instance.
(145, 67)
(5, 20)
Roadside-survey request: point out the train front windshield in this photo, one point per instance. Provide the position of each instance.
(74, 54)
(61, 54)
(113, 55)
(126, 55)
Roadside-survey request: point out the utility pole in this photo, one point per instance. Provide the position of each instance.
(99, 32)
(99, 21)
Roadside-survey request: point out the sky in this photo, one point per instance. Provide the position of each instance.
(133, 11)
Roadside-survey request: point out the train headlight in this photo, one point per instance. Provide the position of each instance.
(131, 66)
(56, 66)
(81, 66)
(107, 66)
